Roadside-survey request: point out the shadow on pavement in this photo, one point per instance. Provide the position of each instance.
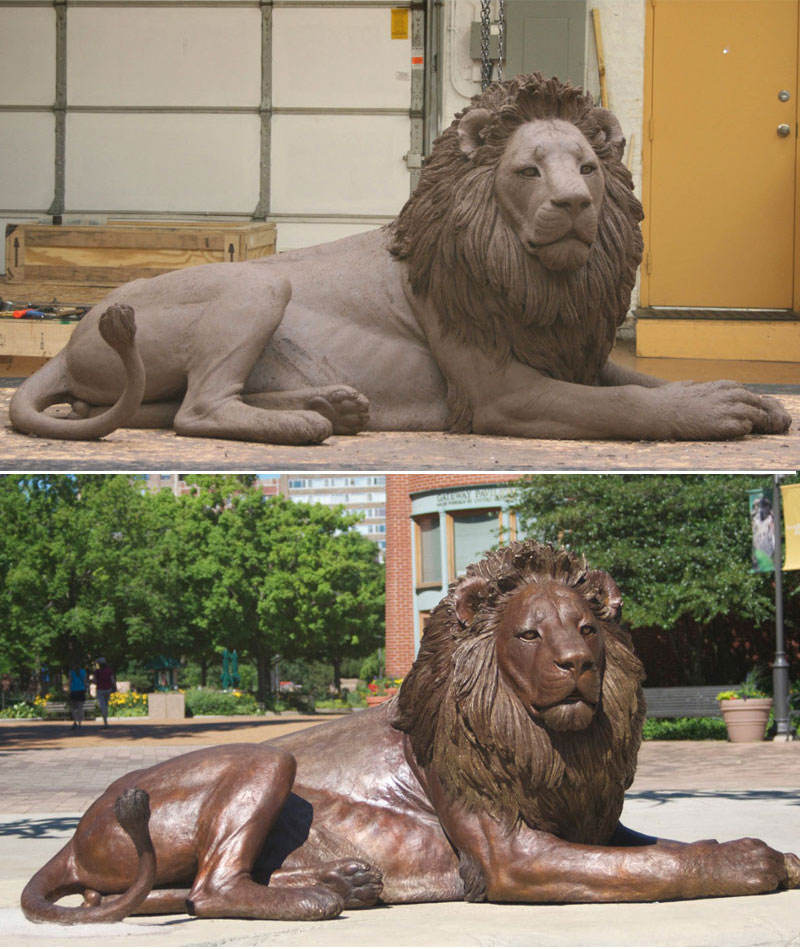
(766, 795)
(43, 735)
(40, 828)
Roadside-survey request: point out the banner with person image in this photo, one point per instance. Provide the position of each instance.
(762, 521)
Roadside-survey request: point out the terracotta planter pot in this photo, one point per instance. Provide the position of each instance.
(746, 719)
(377, 699)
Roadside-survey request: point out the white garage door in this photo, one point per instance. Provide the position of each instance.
(341, 126)
(300, 111)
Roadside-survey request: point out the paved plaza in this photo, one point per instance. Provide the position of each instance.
(686, 790)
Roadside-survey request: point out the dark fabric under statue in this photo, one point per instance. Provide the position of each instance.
(490, 305)
(497, 773)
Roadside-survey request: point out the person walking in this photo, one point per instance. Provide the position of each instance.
(78, 680)
(106, 683)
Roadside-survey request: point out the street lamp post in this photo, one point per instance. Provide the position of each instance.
(780, 667)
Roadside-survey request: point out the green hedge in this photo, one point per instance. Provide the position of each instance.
(684, 729)
(210, 702)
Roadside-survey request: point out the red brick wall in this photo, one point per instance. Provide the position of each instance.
(399, 551)
(399, 592)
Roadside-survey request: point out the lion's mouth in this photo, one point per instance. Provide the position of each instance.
(572, 699)
(570, 235)
(572, 713)
(570, 251)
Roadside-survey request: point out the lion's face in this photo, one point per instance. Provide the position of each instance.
(549, 186)
(550, 650)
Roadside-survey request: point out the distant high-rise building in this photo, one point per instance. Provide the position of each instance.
(158, 481)
(364, 493)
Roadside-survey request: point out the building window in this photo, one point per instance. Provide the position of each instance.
(469, 535)
(424, 616)
(427, 531)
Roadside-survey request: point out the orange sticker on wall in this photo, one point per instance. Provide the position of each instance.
(399, 24)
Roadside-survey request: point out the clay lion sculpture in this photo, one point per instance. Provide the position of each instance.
(490, 305)
(497, 773)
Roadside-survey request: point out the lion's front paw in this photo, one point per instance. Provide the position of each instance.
(710, 411)
(358, 883)
(737, 868)
(776, 419)
(792, 864)
(345, 408)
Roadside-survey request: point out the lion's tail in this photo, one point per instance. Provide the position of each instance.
(49, 386)
(59, 877)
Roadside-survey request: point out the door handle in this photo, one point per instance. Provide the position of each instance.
(784, 130)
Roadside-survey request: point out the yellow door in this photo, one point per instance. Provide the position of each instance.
(722, 174)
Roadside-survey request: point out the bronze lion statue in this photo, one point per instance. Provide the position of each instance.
(497, 773)
(489, 305)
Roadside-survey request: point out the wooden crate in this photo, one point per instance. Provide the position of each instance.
(43, 338)
(119, 251)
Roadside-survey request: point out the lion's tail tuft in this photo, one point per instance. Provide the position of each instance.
(50, 385)
(118, 327)
(59, 878)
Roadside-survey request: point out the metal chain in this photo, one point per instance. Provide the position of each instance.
(486, 27)
(501, 37)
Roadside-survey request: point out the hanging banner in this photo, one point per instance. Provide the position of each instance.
(762, 521)
(790, 496)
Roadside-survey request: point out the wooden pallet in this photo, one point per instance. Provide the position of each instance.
(119, 251)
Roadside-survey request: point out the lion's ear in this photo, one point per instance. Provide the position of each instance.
(470, 127)
(610, 596)
(609, 125)
(468, 597)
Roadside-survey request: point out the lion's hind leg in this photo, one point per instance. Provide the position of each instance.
(359, 884)
(237, 324)
(345, 408)
(232, 830)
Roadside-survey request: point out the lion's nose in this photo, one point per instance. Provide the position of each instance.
(572, 203)
(574, 661)
(576, 666)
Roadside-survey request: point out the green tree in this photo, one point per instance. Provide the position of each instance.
(293, 581)
(190, 568)
(342, 612)
(80, 571)
(679, 548)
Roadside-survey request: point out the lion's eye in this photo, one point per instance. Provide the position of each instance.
(529, 635)
(588, 169)
(587, 629)
(532, 172)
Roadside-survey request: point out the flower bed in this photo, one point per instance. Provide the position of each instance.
(127, 704)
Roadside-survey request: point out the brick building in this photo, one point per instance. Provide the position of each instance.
(435, 525)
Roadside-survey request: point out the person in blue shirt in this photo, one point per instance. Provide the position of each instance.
(78, 680)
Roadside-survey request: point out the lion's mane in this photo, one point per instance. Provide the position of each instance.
(462, 717)
(486, 289)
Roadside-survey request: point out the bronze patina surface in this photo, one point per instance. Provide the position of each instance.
(497, 773)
